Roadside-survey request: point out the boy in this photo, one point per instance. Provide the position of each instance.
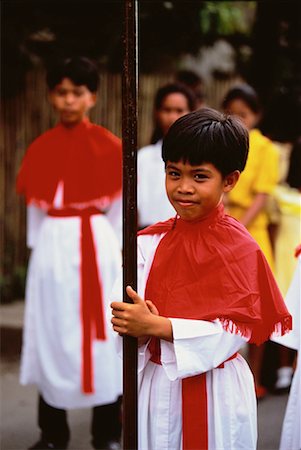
(70, 176)
(209, 290)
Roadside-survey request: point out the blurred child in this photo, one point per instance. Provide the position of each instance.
(291, 429)
(208, 291)
(248, 201)
(171, 102)
(288, 196)
(70, 176)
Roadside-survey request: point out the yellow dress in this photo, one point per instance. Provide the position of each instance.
(260, 176)
(288, 235)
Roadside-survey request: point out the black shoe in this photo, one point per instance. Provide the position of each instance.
(44, 445)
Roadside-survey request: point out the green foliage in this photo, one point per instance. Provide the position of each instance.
(227, 18)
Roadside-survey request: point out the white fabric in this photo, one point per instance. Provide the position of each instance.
(35, 217)
(153, 204)
(291, 429)
(199, 346)
(52, 340)
(114, 216)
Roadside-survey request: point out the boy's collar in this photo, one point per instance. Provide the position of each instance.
(83, 123)
(214, 215)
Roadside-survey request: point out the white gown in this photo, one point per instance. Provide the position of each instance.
(52, 339)
(153, 204)
(291, 429)
(199, 346)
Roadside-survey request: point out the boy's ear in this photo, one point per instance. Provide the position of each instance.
(231, 180)
(50, 97)
(93, 98)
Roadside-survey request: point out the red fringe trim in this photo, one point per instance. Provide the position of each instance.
(257, 334)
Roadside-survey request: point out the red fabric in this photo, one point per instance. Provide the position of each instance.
(194, 413)
(91, 293)
(298, 251)
(87, 158)
(212, 268)
(205, 270)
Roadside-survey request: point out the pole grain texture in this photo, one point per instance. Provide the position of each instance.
(129, 139)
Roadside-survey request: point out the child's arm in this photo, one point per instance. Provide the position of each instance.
(137, 319)
(257, 205)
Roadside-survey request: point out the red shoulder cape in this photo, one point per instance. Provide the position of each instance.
(212, 268)
(87, 158)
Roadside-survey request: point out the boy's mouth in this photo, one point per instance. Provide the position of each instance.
(185, 203)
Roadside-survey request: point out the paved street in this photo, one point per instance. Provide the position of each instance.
(18, 403)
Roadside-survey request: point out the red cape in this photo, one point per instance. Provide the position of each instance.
(213, 269)
(87, 158)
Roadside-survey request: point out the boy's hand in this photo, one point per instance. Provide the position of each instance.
(133, 319)
(142, 340)
(153, 309)
(140, 319)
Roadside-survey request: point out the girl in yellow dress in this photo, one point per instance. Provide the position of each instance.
(248, 201)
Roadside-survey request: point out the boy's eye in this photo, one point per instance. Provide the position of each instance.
(173, 173)
(78, 92)
(200, 176)
(60, 92)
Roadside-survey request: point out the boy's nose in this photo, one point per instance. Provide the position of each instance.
(185, 187)
(69, 98)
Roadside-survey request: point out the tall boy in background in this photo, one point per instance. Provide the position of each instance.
(70, 177)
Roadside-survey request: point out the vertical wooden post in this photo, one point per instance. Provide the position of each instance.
(129, 137)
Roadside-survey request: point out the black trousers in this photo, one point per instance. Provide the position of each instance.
(105, 426)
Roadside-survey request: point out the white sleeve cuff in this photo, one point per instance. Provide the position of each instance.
(198, 346)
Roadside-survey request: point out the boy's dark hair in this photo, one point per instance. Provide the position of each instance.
(162, 93)
(80, 70)
(245, 93)
(208, 136)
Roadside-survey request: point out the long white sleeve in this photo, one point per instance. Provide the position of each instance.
(35, 217)
(114, 216)
(198, 346)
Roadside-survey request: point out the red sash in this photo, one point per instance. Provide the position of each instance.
(91, 292)
(194, 404)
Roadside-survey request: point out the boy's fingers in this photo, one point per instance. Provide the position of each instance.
(119, 306)
(117, 313)
(153, 309)
(133, 295)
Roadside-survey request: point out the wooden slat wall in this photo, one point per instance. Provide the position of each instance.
(29, 114)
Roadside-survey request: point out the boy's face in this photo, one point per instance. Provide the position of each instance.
(194, 191)
(72, 102)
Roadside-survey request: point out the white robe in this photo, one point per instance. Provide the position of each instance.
(198, 346)
(52, 338)
(291, 429)
(153, 204)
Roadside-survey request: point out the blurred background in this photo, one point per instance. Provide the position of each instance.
(221, 41)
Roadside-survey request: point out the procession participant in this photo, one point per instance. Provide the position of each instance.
(70, 176)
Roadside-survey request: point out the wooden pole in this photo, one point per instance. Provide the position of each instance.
(129, 138)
